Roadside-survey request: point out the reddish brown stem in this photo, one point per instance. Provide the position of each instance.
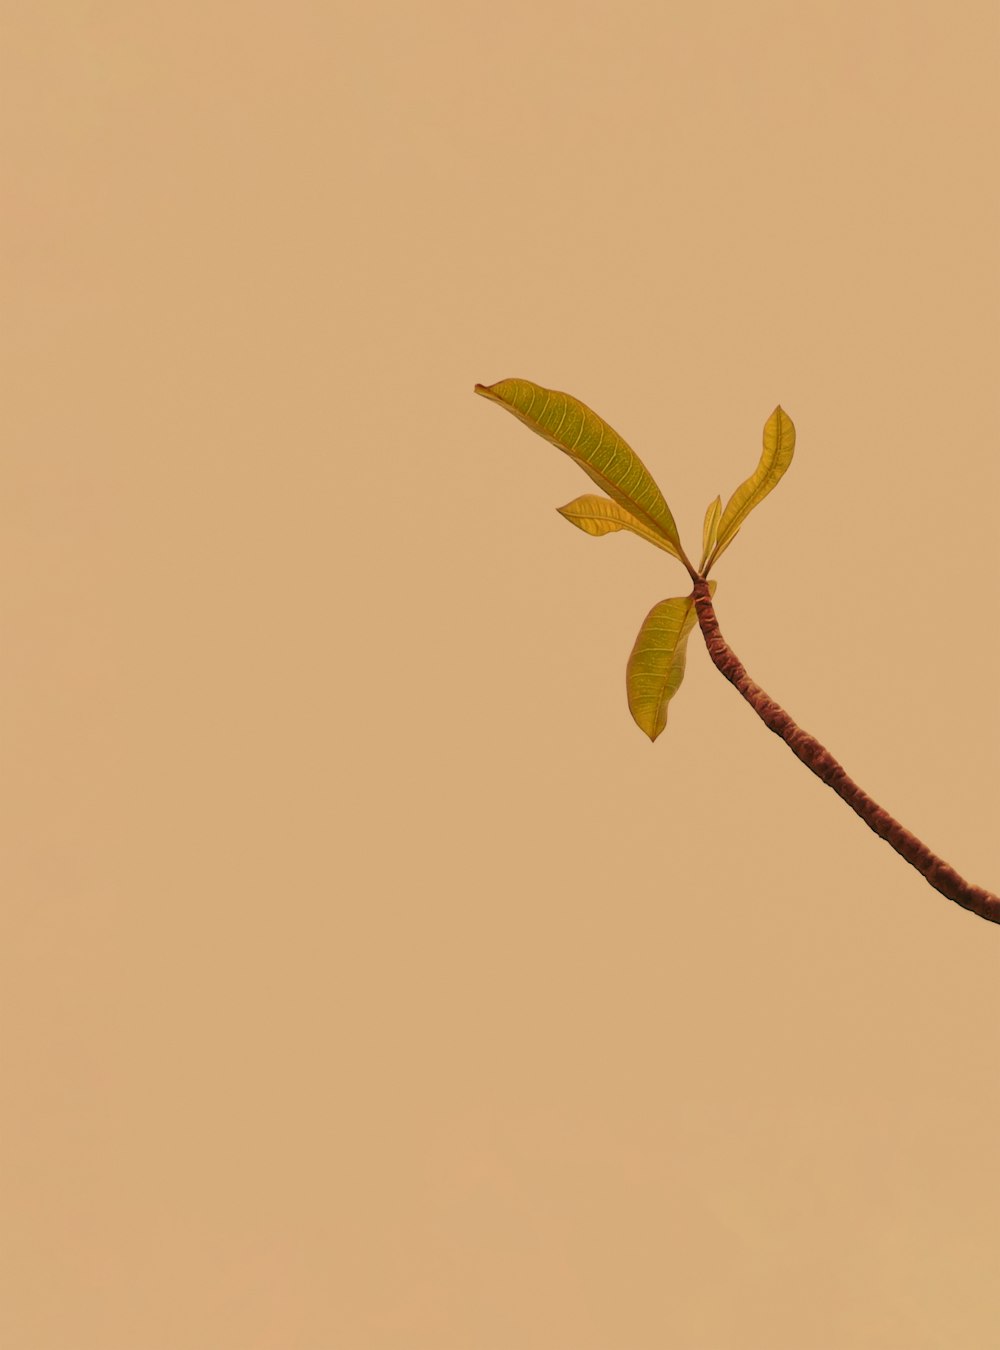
(816, 757)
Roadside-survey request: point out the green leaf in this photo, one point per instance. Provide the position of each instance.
(600, 515)
(710, 531)
(596, 447)
(779, 446)
(656, 666)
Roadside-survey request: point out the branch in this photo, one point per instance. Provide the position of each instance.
(816, 757)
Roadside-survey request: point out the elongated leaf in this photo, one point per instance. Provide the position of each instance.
(656, 666)
(779, 446)
(600, 515)
(721, 548)
(710, 531)
(596, 447)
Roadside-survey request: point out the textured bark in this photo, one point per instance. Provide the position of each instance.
(816, 757)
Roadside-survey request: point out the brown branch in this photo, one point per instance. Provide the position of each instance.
(816, 757)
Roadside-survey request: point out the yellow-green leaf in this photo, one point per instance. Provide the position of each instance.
(779, 445)
(710, 531)
(596, 447)
(656, 666)
(722, 548)
(600, 515)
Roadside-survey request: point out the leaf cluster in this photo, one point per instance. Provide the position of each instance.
(634, 502)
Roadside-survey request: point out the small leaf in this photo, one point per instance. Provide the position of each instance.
(656, 666)
(600, 515)
(596, 447)
(710, 531)
(722, 548)
(779, 445)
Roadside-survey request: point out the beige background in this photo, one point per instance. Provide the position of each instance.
(369, 982)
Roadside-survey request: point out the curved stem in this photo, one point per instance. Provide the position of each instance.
(816, 757)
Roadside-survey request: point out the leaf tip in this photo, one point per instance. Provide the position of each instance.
(648, 728)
